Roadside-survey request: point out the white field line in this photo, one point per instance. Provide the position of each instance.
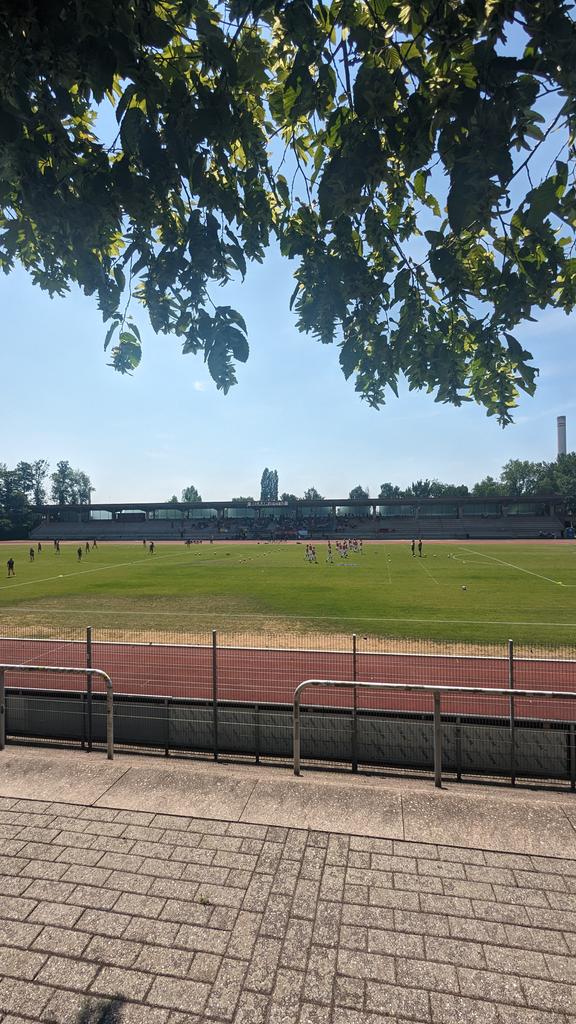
(519, 568)
(299, 618)
(116, 565)
(426, 569)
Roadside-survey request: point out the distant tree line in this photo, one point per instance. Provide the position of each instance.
(25, 486)
(518, 477)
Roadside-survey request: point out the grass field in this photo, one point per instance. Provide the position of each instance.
(523, 591)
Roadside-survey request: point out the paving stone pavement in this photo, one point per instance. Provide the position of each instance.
(125, 917)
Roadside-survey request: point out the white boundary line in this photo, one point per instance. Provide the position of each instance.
(112, 565)
(517, 567)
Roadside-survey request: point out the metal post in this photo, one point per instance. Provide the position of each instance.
(354, 709)
(437, 743)
(458, 748)
(109, 721)
(2, 711)
(89, 684)
(215, 694)
(166, 727)
(296, 734)
(512, 713)
(257, 733)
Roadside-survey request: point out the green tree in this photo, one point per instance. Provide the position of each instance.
(63, 484)
(389, 490)
(242, 501)
(269, 485)
(565, 479)
(370, 107)
(440, 490)
(359, 492)
(520, 476)
(286, 496)
(311, 494)
(16, 516)
(191, 493)
(70, 486)
(39, 473)
(82, 488)
(419, 489)
(488, 488)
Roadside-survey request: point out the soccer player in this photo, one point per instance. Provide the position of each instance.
(412, 546)
(94, 544)
(151, 547)
(79, 553)
(87, 546)
(31, 554)
(420, 547)
(39, 547)
(10, 565)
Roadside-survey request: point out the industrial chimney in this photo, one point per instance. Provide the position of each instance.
(561, 425)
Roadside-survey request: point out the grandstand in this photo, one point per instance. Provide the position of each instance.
(505, 518)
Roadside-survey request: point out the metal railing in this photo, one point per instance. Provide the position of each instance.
(436, 692)
(88, 672)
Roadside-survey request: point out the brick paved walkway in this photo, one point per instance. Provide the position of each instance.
(127, 917)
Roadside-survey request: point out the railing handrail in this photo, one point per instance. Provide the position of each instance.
(431, 688)
(63, 670)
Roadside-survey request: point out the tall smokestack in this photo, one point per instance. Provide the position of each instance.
(561, 425)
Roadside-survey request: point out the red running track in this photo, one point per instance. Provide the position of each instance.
(270, 676)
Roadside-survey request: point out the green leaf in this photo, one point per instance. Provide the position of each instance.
(109, 334)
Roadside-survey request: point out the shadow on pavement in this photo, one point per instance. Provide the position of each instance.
(107, 1014)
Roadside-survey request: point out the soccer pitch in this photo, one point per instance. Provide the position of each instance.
(458, 591)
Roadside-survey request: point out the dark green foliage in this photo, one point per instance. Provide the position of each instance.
(269, 485)
(70, 486)
(190, 493)
(329, 126)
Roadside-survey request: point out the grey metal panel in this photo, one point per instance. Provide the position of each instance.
(402, 739)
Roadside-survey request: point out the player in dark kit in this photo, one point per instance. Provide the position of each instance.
(79, 553)
(10, 565)
(31, 554)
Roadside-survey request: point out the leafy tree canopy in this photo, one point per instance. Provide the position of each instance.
(191, 493)
(311, 494)
(387, 145)
(389, 490)
(359, 492)
(269, 485)
(70, 486)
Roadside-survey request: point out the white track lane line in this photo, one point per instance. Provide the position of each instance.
(519, 568)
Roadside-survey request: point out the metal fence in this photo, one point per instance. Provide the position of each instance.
(232, 695)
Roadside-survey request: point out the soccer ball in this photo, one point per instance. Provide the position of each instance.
(464, 588)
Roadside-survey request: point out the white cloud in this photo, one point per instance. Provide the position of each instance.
(199, 385)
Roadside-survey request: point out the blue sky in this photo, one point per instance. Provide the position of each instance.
(145, 437)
